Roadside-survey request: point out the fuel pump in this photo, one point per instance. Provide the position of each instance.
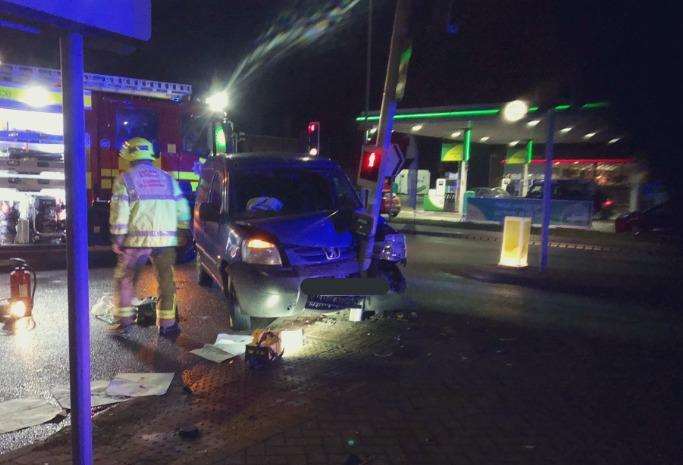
(19, 306)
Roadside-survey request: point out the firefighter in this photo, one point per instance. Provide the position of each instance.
(149, 217)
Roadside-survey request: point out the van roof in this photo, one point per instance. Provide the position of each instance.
(254, 159)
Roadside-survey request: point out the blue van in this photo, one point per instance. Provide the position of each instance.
(264, 222)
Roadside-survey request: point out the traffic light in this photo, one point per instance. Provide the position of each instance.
(370, 163)
(313, 131)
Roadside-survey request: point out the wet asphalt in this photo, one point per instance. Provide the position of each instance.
(36, 361)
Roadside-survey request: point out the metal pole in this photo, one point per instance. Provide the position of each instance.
(214, 145)
(525, 168)
(462, 182)
(368, 61)
(547, 187)
(368, 75)
(413, 155)
(71, 52)
(386, 119)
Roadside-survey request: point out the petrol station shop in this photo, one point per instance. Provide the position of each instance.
(469, 162)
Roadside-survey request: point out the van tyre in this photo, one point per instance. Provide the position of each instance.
(238, 320)
(203, 278)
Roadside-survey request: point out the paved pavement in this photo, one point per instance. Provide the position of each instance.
(438, 390)
(502, 372)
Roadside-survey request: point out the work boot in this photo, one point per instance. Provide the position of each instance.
(119, 329)
(171, 331)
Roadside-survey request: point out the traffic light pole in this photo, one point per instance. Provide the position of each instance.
(386, 120)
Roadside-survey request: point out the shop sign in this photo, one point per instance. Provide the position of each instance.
(451, 152)
(516, 156)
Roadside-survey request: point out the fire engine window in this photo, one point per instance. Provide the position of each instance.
(133, 122)
(194, 136)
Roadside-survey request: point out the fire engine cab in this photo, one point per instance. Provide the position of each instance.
(32, 206)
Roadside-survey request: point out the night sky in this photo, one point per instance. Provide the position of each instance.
(627, 52)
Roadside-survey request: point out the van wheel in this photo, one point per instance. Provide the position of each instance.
(203, 278)
(238, 320)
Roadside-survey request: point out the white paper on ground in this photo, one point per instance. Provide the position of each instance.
(232, 343)
(213, 353)
(139, 384)
(226, 346)
(98, 395)
(17, 414)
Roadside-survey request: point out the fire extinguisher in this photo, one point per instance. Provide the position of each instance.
(22, 282)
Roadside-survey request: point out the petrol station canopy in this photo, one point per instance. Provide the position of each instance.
(575, 124)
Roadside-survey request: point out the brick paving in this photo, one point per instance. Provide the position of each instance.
(433, 390)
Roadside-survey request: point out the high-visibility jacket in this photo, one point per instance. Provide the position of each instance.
(148, 208)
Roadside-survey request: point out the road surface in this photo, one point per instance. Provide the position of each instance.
(36, 361)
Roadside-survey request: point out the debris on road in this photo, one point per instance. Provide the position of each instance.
(227, 346)
(18, 414)
(104, 309)
(146, 312)
(233, 343)
(356, 314)
(189, 432)
(212, 353)
(264, 350)
(98, 395)
(140, 384)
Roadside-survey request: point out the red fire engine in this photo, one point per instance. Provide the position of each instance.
(32, 208)
(31, 144)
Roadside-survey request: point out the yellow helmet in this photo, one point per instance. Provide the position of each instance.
(137, 148)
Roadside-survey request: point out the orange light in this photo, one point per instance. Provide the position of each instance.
(259, 244)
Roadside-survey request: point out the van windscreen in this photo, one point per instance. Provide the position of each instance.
(291, 190)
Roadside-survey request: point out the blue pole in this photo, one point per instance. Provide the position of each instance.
(547, 187)
(71, 52)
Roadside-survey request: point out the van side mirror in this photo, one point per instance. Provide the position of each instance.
(208, 212)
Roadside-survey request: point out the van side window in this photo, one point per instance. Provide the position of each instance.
(203, 190)
(216, 193)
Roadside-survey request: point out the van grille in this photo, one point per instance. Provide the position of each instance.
(303, 254)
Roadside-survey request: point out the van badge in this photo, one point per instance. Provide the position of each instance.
(331, 253)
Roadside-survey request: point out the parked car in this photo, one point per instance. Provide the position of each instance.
(577, 189)
(265, 222)
(495, 192)
(391, 202)
(659, 219)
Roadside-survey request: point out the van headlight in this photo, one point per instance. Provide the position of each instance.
(393, 248)
(260, 252)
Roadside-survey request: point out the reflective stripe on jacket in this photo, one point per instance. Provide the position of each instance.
(147, 207)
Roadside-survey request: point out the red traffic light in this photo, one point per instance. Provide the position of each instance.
(370, 163)
(312, 127)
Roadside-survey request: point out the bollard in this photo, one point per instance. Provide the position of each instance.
(515, 245)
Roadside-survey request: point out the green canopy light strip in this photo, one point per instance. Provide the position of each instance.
(467, 144)
(476, 112)
(529, 150)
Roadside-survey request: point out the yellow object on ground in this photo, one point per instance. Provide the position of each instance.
(516, 237)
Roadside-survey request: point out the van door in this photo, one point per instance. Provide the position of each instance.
(210, 241)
